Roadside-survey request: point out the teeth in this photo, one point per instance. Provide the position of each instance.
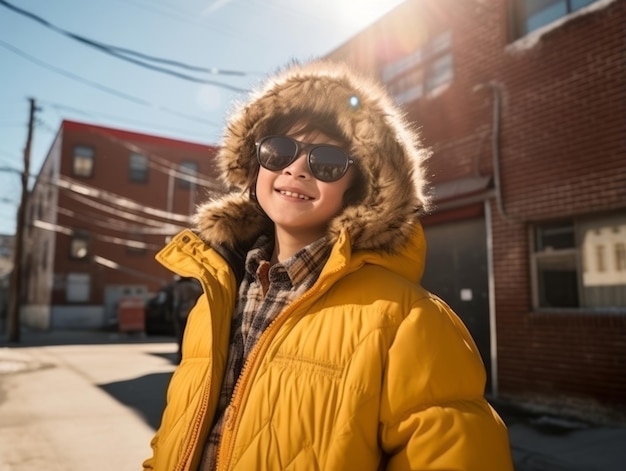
(294, 195)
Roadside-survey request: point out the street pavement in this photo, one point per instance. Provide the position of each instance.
(79, 400)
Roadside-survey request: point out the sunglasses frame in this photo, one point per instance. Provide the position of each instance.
(303, 147)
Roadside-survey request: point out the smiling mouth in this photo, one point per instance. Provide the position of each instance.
(295, 195)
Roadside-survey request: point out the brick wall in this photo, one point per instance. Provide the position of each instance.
(111, 175)
(562, 153)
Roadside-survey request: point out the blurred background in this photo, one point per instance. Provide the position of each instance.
(193, 59)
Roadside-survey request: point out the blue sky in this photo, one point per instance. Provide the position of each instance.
(71, 80)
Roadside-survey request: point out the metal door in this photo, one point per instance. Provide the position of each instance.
(457, 271)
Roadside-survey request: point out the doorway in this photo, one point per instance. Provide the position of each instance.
(457, 271)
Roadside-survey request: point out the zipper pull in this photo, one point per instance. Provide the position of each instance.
(229, 417)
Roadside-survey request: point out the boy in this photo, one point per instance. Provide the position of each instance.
(313, 345)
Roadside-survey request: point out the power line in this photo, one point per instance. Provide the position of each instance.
(117, 267)
(121, 226)
(110, 203)
(112, 198)
(113, 240)
(131, 56)
(162, 164)
(104, 88)
(117, 119)
(69, 231)
(120, 214)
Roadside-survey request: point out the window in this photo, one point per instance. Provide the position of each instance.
(83, 161)
(138, 168)
(78, 287)
(581, 264)
(187, 168)
(79, 245)
(423, 72)
(533, 14)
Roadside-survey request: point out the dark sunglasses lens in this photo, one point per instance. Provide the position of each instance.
(275, 153)
(328, 164)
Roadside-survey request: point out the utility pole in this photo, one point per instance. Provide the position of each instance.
(16, 274)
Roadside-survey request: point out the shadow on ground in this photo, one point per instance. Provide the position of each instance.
(146, 395)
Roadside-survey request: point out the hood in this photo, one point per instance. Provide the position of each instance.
(384, 145)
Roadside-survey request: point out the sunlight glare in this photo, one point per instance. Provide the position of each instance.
(360, 12)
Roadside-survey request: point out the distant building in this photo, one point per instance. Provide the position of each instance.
(6, 268)
(105, 201)
(7, 243)
(522, 103)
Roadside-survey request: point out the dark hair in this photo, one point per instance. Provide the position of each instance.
(305, 122)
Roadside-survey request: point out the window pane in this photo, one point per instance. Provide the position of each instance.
(422, 71)
(555, 236)
(578, 4)
(582, 264)
(439, 73)
(187, 168)
(138, 168)
(82, 163)
(558, 280)
(542, 12)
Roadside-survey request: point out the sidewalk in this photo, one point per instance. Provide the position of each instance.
(80, 400)
(539, 441)
(548, 442)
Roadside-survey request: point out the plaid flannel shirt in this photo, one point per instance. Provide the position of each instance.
(264, 292)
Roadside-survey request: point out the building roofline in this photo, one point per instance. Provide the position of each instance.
(137, 136)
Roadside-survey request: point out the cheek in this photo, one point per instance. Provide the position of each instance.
(339, 189)
(334, 197)
(261, 181)
(263, 186)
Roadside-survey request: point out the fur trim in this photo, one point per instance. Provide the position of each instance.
(383, 144)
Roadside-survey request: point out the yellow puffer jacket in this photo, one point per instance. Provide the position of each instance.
(365, 371)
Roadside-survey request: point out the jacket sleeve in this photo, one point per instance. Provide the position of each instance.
(433, 412)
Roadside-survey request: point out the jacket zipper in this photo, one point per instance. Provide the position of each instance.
(232, 418)
(196, 428)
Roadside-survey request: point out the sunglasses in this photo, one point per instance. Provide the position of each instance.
(326, 162)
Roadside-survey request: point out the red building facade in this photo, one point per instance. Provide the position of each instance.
(522, 103)
(105, 201)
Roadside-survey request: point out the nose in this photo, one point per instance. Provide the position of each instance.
(298, 168)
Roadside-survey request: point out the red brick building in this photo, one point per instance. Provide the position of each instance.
(105, 201)
(524, 106)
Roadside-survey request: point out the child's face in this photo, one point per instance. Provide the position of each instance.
(295, 200)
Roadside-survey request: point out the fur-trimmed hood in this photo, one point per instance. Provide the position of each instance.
(383, 144)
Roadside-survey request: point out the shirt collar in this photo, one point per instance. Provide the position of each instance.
(298, 267)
